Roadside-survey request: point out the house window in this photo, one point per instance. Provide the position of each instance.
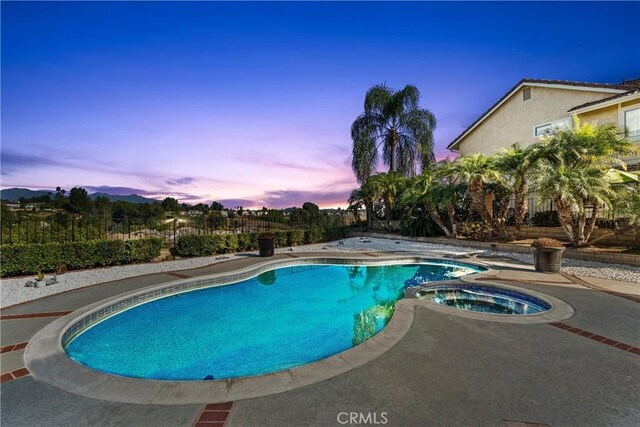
(632, 121)
(526, 93)
(551, 127)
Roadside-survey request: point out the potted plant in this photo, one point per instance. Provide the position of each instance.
(267, 244)
(548, 254)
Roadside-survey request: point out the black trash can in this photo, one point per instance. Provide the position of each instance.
(267, 244)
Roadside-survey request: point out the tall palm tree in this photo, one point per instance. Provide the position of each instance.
(394, 123)
(517, 163)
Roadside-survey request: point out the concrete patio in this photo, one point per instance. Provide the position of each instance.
(447, 370)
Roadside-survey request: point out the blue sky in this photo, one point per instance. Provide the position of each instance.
(252, 103)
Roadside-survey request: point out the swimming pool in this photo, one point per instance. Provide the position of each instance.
(280, 319)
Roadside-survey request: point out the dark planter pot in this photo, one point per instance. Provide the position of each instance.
(547, 259)
(267, 246)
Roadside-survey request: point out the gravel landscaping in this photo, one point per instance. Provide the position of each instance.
(13, 290)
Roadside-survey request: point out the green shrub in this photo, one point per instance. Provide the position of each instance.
(232, 244)
(204, 245)
(247, 241)
(312, 236)
(142, 250)
(282, 239)
(200, 245)
(47, 257)
(335, 232)
(295, 237)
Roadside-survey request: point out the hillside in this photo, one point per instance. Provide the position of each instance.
(14, 194)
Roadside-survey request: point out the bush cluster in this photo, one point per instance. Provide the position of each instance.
(546, 219)
(47, 257)
(211, 244)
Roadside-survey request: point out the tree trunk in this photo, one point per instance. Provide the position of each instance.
(566, 218)
(477, 201)
(501, 222)
(582, 218)
(591, 225)
(369, 208)
(521, 204)
(451, 213)
(392, 157)
(435, 216)
(387, 213)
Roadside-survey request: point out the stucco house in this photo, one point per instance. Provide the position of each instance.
(534, 107)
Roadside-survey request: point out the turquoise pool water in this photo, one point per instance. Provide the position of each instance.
(283, 318)
(484, 299)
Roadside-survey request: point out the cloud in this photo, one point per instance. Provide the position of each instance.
(12, 161)
(280, 165)
(180, 181)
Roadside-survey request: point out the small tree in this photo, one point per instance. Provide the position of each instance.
(517, 164)
(573, 175)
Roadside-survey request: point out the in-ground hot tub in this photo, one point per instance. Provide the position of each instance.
(484, 299)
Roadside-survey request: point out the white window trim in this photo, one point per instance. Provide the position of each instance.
(551, 123)
(621, 119)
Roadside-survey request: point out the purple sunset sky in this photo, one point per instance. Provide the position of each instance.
(251, 103)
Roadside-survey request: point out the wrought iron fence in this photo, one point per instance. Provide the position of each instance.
(73, 229)
(544, 214)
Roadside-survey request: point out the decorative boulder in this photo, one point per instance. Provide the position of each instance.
(51, 281)
(30, 284)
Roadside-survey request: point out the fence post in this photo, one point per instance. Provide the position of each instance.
(175, 221)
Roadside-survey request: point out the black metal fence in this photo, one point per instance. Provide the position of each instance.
(544, 214)
(52, 229)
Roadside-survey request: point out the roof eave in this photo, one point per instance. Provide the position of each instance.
(509, 94)
(605, 103)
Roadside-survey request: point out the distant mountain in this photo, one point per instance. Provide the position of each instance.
(131, 198)
(14, 194)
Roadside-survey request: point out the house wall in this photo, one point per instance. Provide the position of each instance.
(515, 119)
(602, 116)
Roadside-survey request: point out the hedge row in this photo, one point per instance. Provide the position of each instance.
(47, 257)
(211, 244)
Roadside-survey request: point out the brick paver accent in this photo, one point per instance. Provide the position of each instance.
(214, 415)
(34, 315)
(13, 347)
(598, 338)
(14, 375)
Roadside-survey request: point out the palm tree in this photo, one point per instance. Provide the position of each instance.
(362, 196)
(573, 190)
(477, 170)
(388, 188)
(393, 121)
(433, 189)
(573, 174)
(517, 163)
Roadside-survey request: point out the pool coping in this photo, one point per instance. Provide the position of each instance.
(48, 362)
